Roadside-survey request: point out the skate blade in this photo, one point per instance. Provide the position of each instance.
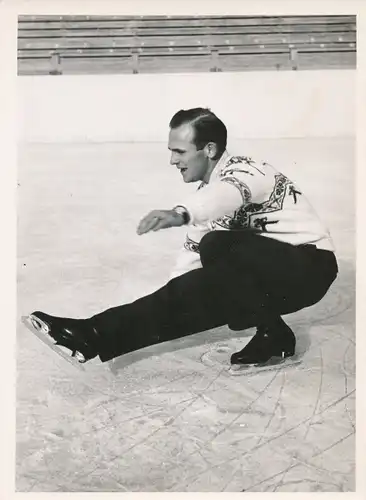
(219, 357)
(42, 334)
(274, 363)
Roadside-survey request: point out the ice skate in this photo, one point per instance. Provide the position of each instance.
(271, 346)
(73, 339)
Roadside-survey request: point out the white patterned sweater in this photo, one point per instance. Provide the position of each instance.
(243, 193)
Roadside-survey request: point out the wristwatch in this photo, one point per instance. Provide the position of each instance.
(179, 209)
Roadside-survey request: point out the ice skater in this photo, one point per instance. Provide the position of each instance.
(255, 250)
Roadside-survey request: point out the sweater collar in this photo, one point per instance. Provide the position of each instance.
(219, 165)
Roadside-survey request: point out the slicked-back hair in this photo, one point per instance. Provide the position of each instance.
(206, 125)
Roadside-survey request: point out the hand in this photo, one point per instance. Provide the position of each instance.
(159, 219)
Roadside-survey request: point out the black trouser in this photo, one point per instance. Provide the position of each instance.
(244, 276)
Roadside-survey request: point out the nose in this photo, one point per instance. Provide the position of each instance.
(174, 159)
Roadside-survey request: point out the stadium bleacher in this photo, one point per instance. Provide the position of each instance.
(152, 44)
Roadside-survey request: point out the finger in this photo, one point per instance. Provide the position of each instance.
(162, 224)
(144, 223)
(147, 224)
(150, 221)
(157, 226)
(152, 224)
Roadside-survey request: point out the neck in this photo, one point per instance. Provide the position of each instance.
(211, 165)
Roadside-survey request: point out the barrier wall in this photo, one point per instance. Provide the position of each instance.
(138, 107)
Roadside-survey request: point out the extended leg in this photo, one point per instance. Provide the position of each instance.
(257, 277)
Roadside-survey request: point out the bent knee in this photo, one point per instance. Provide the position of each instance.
(208, 240)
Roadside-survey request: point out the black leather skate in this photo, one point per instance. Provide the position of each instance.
(271, 344)
(73, 339)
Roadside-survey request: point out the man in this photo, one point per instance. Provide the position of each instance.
(254, 250)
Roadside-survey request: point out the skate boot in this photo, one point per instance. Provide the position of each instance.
(271, 344)
(74, 339)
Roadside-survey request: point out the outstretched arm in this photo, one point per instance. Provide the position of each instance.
(210, 203)
(220, 199)
(217, 200)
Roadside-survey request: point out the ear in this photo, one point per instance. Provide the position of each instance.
(211, 150)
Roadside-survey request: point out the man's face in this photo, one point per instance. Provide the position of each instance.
(192, 164)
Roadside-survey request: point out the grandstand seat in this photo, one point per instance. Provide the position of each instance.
(159, 43)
